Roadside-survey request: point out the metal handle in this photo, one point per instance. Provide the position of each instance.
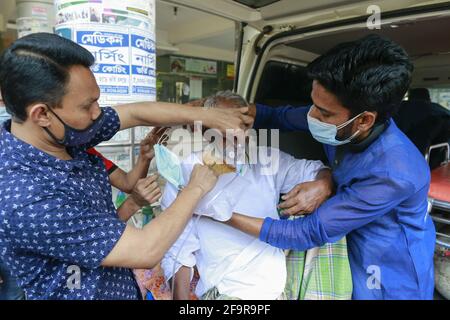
(438, 146)
(443, 244)
(441, 220)
(438, 204)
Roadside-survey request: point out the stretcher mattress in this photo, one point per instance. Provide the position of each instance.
(440, 184)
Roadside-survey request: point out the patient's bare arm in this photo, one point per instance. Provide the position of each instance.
(249, 225)
(182, 284)
(304, 198)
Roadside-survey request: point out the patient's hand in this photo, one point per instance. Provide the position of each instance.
(308, 196)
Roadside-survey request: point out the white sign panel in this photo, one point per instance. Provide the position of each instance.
(121, 36)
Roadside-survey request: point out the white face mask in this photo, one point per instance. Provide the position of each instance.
(326, 132)
(169, 166)
(168, 163)
(4, 115)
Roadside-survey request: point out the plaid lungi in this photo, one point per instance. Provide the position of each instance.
(319, 273)
(214, 294)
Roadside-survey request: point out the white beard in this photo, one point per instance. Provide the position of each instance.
(231, 154)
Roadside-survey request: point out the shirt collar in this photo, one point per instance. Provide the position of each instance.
(25, 153)
(341, 151)
(377, 130)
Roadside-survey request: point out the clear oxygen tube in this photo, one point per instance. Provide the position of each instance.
(196, 221)
(208, 203)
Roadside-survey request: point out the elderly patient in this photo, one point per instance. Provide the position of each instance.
(232, 264)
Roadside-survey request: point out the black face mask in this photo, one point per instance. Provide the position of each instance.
(74, 137)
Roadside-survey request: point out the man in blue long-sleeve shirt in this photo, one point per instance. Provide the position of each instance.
(382, 180)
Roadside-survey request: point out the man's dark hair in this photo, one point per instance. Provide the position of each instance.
(370, 74)
(419, 94)
(35, 69)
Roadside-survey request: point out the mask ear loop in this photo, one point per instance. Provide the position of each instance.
(163, 139)
(353, 136)
(349, 121)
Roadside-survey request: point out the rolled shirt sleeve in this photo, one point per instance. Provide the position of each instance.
(352, 207)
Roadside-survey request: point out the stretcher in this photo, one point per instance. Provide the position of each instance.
(439, 194)
(439, 200)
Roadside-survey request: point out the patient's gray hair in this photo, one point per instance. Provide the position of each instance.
(214, 100)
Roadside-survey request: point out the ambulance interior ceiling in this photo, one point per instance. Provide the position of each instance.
(427, 42)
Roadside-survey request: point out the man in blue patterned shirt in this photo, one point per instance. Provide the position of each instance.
(59, 231)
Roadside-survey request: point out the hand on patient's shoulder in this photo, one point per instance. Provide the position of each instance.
(305, 198)
(217, 203)
(202, 177)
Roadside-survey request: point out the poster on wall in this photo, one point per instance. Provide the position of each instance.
(111, 52)
(231, 72)
(29, 25)
(188, 65)
(130, 13)
(121, 36)
(33, 17)
(143, 64)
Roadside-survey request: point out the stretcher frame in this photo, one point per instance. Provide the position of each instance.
(437, 203)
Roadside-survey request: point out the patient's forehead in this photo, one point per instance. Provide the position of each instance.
(227, 103)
